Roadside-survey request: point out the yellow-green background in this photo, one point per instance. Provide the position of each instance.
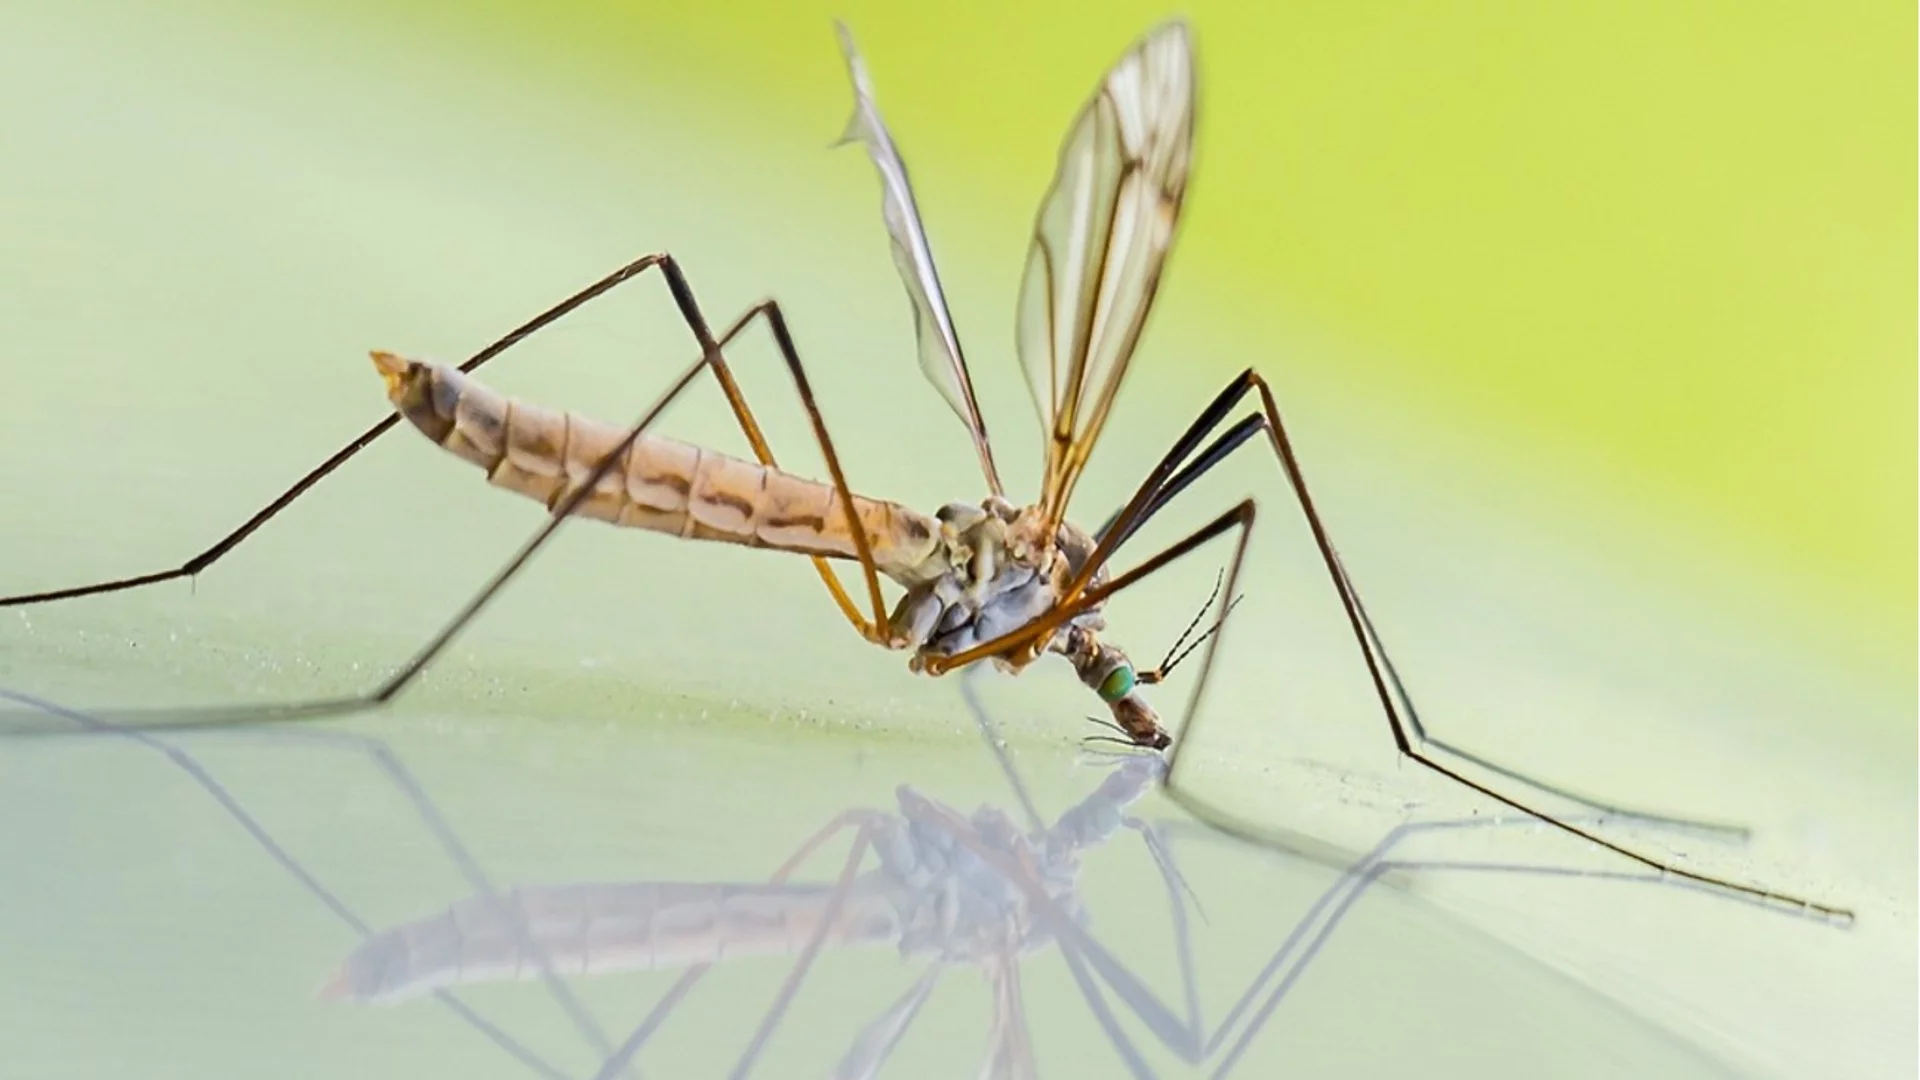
(1596, 330)
(1665, 253)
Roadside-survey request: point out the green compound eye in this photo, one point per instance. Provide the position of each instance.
(1117, 684)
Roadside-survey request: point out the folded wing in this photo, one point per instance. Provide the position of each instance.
(940, 355)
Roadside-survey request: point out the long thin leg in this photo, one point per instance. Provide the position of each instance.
(1018, 869)
(1080, 594)
(231, 540)
(1190, 1039)
(1421, 736)
(876, 630)
(179, 718)
(1173, 1033)
(863, 822)
(1232, 440)
(696, 321)
(1079, 597)
(1063, 612)
(1298, 951)
(877, 1041)
(1009, 1042)
(1378, 668)
(750, 427)
(862, 839)
(292, 866)
(996, 745)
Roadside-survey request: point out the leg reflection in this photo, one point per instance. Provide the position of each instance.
(945, 889)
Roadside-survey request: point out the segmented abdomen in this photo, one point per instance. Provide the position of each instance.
(598, 929)
(660, 484)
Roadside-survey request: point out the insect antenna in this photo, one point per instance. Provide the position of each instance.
(1182, 648)
(1117, 740)
(1198, 615)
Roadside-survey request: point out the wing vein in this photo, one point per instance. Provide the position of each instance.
(1100, 242)
(941, 359)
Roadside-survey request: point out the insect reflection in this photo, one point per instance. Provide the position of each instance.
(947, 890)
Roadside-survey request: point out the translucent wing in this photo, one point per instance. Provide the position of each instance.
(1099, 244)
(940, 356)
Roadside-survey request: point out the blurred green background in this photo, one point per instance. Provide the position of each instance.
(1663, 255)
(1639, 275)
(1642, 273)
(1595, 325)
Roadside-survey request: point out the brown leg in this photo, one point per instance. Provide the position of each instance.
(875, 630)
(1166, 480)
(1379, 670)
(176, 718)
(696, 322)
(340, 457)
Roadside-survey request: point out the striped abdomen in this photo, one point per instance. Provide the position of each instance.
(660, 484)
(600, 929)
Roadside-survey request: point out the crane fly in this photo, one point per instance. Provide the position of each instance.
(986, 580)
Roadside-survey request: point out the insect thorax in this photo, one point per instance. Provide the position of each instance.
(998, 577)
(953, 896)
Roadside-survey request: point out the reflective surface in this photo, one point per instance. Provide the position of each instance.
(212, 218)
(256, 901)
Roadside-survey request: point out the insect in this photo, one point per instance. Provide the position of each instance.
(985, 580)
(982, 580)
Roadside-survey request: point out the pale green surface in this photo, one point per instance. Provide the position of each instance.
(210, 221)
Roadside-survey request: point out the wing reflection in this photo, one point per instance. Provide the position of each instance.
(986, 890)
